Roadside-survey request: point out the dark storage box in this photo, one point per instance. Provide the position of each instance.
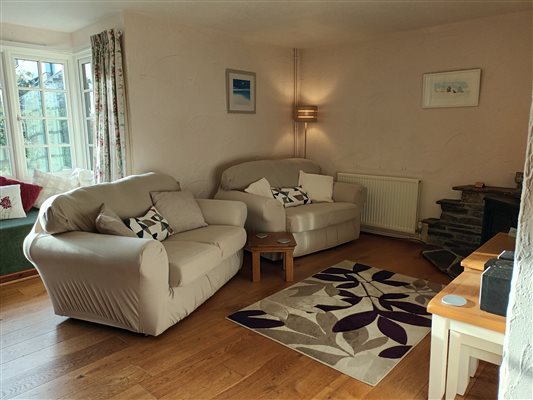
(495, 286)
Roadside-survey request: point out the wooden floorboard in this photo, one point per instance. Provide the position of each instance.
(205, 355)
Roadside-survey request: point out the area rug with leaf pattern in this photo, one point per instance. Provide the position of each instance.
(357, 319)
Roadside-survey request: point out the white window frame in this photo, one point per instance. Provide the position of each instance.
(7, 121)
(83, 57)
(74, 112)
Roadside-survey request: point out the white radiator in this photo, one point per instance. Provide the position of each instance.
(391, 204)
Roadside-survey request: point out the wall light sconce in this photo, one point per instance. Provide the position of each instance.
(305, 114)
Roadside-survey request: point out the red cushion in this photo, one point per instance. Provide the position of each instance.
(28, 192)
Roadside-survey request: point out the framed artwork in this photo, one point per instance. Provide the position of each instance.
(240, 91)
(451, 89)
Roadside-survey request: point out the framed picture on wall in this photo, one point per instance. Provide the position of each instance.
(240, 91)
(451, 89)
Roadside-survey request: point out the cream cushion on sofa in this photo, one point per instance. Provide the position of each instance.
(193, 253)
(187, 261)
(180, 209)
(319, 215)
(109, 223)
(228, 239)
(260, 188)
(319, 188)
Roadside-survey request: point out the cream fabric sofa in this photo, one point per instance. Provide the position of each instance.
(142, 285)
(315, 226)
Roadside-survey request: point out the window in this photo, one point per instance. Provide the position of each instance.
(49, 113)
(6, 167)
(43, 115)
(88, 107)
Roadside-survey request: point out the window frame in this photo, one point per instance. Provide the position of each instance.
(7, 121)
(81, 58)
(75, 116)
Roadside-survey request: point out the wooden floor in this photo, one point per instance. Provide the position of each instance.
(204, 356)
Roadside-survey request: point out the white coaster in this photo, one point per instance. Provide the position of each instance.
(454, 300)
(262, 235)
(284, 241)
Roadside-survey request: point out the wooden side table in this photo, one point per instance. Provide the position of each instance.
(478, 329)
(270, 244)
(491, 249)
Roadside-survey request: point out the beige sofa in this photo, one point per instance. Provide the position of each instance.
(142, 285)
(315, 226)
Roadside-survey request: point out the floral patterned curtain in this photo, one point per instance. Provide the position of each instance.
(110, 107)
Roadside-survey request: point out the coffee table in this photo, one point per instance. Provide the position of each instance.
(270, 244)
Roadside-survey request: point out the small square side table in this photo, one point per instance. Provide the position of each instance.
(270, 244)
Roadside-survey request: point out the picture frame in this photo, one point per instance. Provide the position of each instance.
(240, 91)
(451, 88)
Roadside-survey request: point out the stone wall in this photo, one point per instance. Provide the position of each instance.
(461, 220)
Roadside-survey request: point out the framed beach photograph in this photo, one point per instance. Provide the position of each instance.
(451, 89)
(240, 91)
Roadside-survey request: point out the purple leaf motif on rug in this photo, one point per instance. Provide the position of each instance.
(246, 318)
(355, 321)
(346, 316)
(395, 352)
(392, 330)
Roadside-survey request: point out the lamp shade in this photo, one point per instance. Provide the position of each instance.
(305, 113)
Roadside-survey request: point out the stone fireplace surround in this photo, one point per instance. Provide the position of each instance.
(457, 232)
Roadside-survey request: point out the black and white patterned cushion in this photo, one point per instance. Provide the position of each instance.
(150, 226)
(290, 196)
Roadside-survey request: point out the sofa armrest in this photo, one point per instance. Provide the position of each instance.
(264, 214)
(116, 280)
(223, 212)
(349, 193)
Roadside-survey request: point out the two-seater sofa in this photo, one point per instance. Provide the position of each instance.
(315, 226)
(142, 285)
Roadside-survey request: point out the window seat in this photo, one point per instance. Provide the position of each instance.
(12, 234)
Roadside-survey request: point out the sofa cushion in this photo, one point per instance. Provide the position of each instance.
(319, 215)
(180, 209)
(291, 196)
(188, 261)
(260, 188)
(151, 225)
(319, 188)
(229, 239)
(109, 223)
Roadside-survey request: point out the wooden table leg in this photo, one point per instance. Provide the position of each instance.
(288, 266)
(439, 356)
(256, 266)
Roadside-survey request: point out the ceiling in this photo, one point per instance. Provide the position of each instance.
(291, 23)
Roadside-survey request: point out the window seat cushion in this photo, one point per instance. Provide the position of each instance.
(12, 234)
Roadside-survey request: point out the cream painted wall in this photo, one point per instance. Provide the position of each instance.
(71, 41)
(371, 119)
(34, 36)
(177, 105)
(82, 38)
